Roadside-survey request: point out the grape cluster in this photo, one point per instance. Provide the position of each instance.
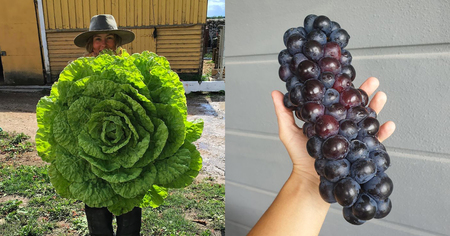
(341, 128)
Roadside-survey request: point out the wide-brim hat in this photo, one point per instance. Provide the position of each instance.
(101, 24)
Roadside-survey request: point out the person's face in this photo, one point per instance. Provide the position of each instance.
(103, 41)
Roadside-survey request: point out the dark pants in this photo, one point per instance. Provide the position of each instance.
(100, 222)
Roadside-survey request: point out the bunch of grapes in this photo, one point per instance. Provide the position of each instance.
(341, 128)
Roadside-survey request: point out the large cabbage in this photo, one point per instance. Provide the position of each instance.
(114, 129)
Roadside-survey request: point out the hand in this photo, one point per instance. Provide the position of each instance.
(295, 141)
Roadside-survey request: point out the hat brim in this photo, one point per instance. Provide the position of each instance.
(126, 35)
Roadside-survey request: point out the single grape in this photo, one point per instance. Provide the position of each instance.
(326, 126)
(287, 103)
(330, 97)
(284, 72)
(357, 113)
(363, 170)
(332, 49)
(348, 129)
(337, 110)
(326, 190)
(308, 70)
(335, 147)
(295, 43)
(308, 129)
(346, 191)
(371, 112)
(346, 57)
(350, 218)
(313, 50)
(336, 170)
(312, 110)
(350, 71)
(327, 78)
(309, 22)
(334, 26)
(284, 57)
(381, 159)
(322, 23)
(372, 143)
(350, 98)
(383, 208)
(295, 95)
(379, 187)
(313, 90)
(313, 146)
(342, 82)
(368, 126)
(295, 61)
(340, 36)
(329, 64)
(358, 150)
(364, 208)
(317, 35)
(319, 165)
(292, 82)
(300, 30)
(364, 97)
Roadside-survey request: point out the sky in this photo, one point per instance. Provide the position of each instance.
(216, 8)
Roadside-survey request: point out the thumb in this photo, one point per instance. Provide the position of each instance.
(285, 117)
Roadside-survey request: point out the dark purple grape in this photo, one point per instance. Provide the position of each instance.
(379, 187)
(327, 78)
(346, 57)
(326, 126)
(337, 110)
(295, 61)
(319, 165)
(335, 147)
(313, 146)
(287, 103)
(350, 98)
(342, 82)
(284, 72)
(334, 26)
(312, 110)
(329, 64)
(317, 35)
(371, 112)
(309, 22)
(350, 218)
(357, 113)
(381, 159)
(332, 49)
(297, 112)
(348, 129)
(292, 82)
(358, 150)
(346, 191)
(350, 71)
(326, 190)
(372, 143)
(313, 50)
(313, 90)
(295, 95)
(340, 36)
(330, 97)
(364, 97)
(322, 23)
(284, 57)
(308, 129)
(295, 43)
(308, 70)
(336, 170)
(363, 170)
(368, 126)
(364, 208)
(383, 208)
(300, 30)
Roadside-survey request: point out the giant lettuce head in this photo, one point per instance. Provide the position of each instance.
(114, 129)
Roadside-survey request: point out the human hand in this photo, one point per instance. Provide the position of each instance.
(295, 141)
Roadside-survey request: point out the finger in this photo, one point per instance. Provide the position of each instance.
(378, 101)
(370, 85)
(386, 130)
(284, 115)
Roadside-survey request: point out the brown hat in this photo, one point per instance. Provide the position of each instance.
(101, 24)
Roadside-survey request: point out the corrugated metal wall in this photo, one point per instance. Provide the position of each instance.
(179, 25)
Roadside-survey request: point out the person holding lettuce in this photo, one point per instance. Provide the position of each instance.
(104, 34)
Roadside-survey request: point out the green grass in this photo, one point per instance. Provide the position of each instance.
(14, 144)
(196, 210)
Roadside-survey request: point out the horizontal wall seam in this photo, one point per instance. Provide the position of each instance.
(251, 188)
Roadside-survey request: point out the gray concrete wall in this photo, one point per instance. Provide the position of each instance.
(406, 44)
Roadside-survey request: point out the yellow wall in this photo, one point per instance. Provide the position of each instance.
(19, 38)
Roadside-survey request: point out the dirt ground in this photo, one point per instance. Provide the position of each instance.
(18, 114)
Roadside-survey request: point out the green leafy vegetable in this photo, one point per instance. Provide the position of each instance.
(114, 129)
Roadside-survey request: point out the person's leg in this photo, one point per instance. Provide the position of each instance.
(129, 224)
(99, 221)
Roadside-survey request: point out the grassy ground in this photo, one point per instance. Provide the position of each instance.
(29, 204)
